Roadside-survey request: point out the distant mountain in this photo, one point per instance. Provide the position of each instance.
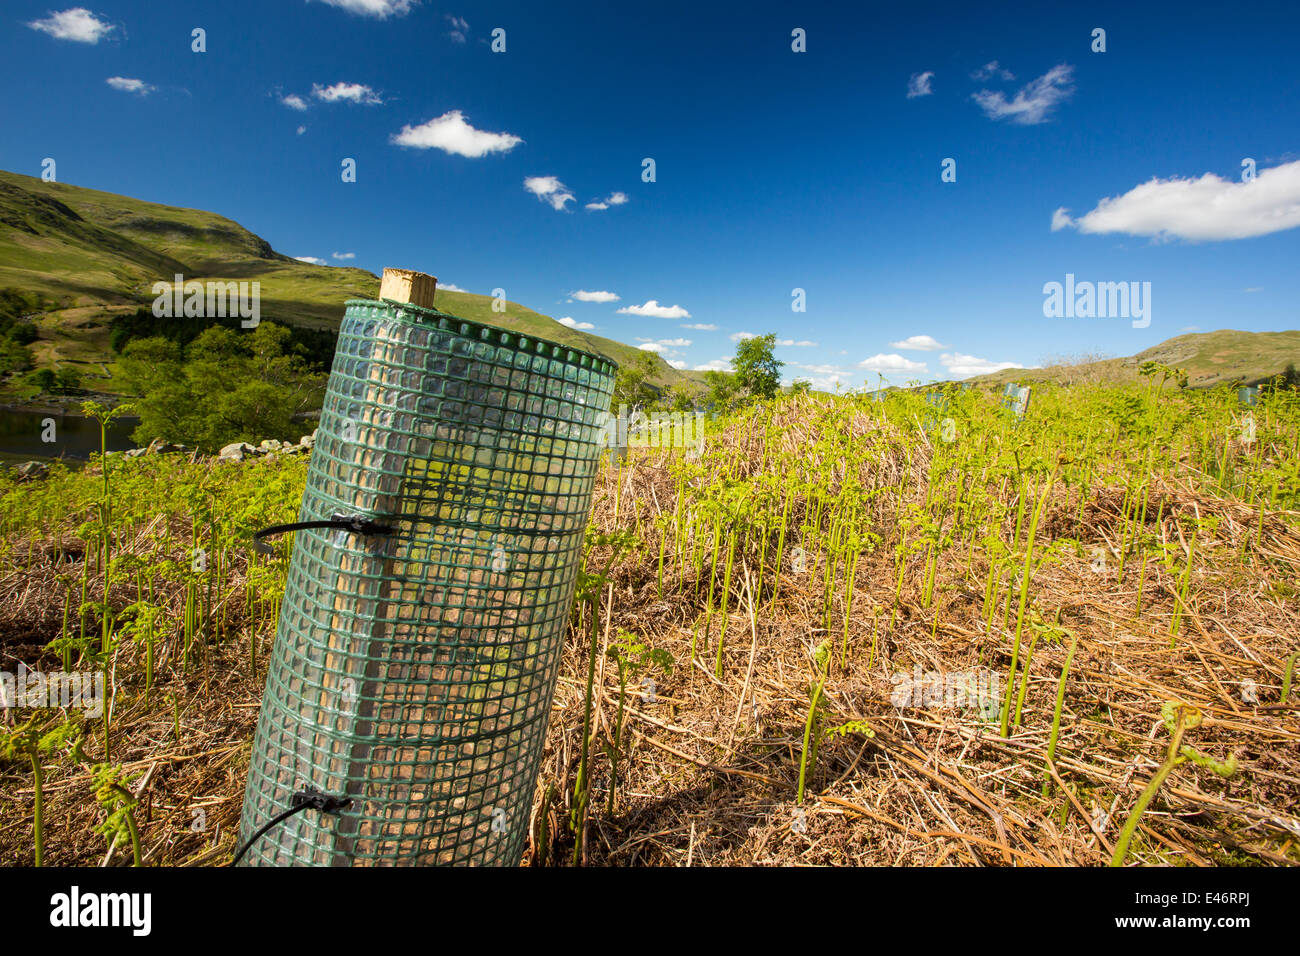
(95, 254)
(1210, 358)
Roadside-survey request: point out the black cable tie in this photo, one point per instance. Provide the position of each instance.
(316, 800)
(359, 524)
(308, 798)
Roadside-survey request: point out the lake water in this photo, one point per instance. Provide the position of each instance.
(75, 436)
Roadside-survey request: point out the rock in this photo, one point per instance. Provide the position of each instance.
(306, 441)
(32, 470)
(137, 452)
(159, 447)
(237, 451)
(270, 445)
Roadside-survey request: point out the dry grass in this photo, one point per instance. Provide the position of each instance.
(709, 768)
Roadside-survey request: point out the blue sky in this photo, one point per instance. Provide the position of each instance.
(775, 170)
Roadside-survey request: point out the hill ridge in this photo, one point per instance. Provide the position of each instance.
(95, 253)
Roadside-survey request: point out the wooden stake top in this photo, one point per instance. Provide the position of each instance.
(407, 285)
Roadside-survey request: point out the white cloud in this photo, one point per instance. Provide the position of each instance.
(301, 130)
(550, 190)
(459, 28)
(379, 9)
(451, 134)
(613, 199)
(1033, 101)
(1061, 219)
(677, 363)
(821, 369)
(450, 287)
(919, 84)
(715, 365)
(128, 85)
(701, 327)
(918, 343)
(582, 295)
(573, 323)
(1208, 208)
(785, 342)
(312, 260)
(294, 102)
(964, 366)
(345, 255)
(891, 363)
(1255, 288)
(346, 93)
(651, 347)
(826, 377)
(667, 343)
(654, 310)
(992, 70)
(77, 24)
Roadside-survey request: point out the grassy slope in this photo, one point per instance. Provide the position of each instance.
(1210, 358)
(96, 253)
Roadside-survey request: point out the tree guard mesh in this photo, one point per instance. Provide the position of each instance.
(413, 670)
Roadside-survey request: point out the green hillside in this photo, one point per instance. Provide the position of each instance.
(95, 254)
(1210, 358)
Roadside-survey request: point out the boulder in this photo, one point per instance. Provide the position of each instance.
(159, 447)
(137, 452)
(270, 445)
(306, 441)
(32, 470)
(237, 451)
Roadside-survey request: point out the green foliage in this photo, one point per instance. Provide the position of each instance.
(1178, 719)
(16, 331)
(758, 372)
(633, 656)
(315, 346)
(36, 741)
(721, 390)
(633, 383)
(118, 804)
(59, 381)
(44, 379)
(680, 398)
(224, 387)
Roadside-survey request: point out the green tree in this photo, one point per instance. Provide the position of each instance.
(721, 386)
(14, 356)
(758, 372)
(632, 383)
(680, 398)
(225, 386)
(68, 378)
(44, 379)
(800, 386)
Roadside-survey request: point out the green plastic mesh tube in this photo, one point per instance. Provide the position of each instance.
(413, 670)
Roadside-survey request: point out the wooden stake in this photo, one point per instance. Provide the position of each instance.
(407, 285)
